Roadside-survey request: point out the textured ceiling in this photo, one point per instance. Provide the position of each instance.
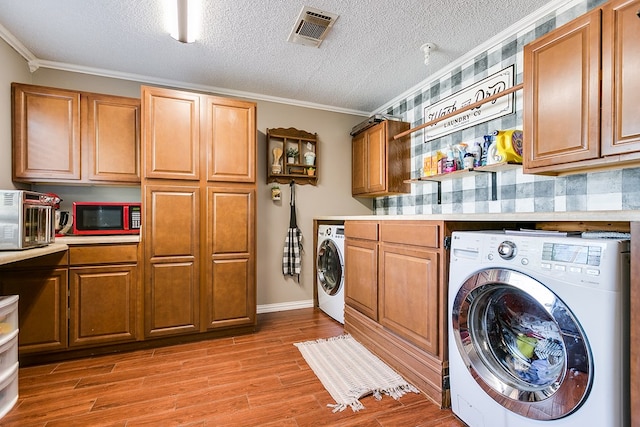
(371, 56)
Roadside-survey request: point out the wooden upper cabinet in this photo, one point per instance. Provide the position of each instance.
(561, 94)
(580, 84)
(230, 140)
(381, 164)
(63, 136)
(111, 138)
(359, 161)
(620, 82)
(46, 134)
(171, 136)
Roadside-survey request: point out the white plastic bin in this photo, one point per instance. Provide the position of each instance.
(8, 317)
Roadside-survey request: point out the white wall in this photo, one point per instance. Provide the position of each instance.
(332, 195)
(13, 69)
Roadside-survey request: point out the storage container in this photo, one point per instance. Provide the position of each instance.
(8, 317)
(9, 391)
(8, 355)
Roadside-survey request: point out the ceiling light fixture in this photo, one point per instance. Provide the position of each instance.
(186, 20)
(427, 48)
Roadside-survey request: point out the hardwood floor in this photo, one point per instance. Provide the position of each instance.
(252, 380)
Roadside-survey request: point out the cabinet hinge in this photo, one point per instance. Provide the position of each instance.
(447, 242)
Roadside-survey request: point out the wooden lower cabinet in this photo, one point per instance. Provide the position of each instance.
(42, 306)
(361, 270)
(396, 282)
(103, 294)
(172, 246)
(409, 294)
(395, 297)
(229, 271)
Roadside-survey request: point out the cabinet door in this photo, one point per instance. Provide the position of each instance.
(376, 155)
(102, 304)
(111, 138)
(408, 281)
(171, 276)
(562, 94)
(230, 140)
(46, 134)
(171, 132)
(359, 164)
(361, 276)
(42, 307)
(230, 270)
(620, 82)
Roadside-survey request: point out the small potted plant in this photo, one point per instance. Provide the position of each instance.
(292, 154)
(311, 171)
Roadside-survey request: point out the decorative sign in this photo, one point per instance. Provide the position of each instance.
(485, 88)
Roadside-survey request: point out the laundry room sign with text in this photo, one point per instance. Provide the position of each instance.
(485, 88)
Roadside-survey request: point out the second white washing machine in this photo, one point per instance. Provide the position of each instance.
(538, 329)
(330, 270)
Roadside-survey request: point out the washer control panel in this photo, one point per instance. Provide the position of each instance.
(574, 259)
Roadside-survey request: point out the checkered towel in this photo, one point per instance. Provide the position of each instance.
(291, 259)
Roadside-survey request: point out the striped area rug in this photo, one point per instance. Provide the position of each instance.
(349, 372)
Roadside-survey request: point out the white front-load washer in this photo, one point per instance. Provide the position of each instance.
(538, 330)
(330, 270)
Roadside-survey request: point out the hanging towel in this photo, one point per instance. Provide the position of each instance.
(291, 259)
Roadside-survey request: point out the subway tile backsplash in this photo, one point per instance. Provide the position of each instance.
(516, 192)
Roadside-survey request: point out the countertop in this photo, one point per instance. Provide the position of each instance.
(599, 216)
(62, 244)
(7, 257)
(93, 240)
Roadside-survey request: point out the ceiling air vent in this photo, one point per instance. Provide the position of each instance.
(312, 26)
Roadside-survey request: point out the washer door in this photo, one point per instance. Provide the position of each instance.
(329, 267)
(522, 344)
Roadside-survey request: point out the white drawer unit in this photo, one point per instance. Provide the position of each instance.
(8, 317)
(8, 353)
(9, 390)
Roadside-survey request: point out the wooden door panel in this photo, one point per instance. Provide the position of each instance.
(172, 299)
(231, 299)
(112, 138)
(230, 140)
(230, 224)
(361, 276)
(171, 133)
(230, 272)
(620, 82)
(102, 305)
(359, 164)
(171, 221)
(408, 292)
(42, 307)
(46, 134)
(376, 158)
(562, 95)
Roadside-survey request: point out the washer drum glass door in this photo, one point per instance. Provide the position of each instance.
(329, 267)
(522, 344)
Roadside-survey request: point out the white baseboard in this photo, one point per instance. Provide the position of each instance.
(284, 306)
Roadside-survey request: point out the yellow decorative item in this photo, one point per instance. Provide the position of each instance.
(509, 145)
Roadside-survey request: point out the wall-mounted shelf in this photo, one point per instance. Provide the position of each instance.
(491, 169)
(461, 110)
(282, 169)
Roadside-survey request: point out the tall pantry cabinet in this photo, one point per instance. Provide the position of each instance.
(199, 192)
